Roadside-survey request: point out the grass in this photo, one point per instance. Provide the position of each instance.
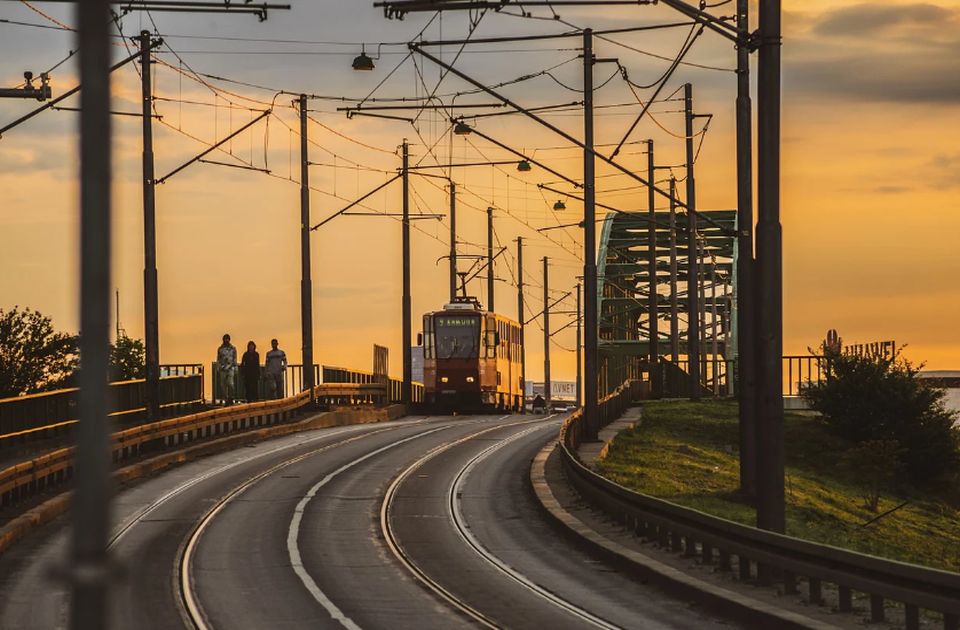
(686, 453)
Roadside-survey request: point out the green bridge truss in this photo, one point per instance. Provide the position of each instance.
(623, 300)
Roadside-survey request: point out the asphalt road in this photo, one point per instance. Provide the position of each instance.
(419, 523)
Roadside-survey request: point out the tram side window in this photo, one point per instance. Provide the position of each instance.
(429, 342)
(490, 337)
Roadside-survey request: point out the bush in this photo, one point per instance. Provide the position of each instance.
(879, 399)
(873, 466)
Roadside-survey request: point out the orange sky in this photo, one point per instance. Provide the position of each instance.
(870, 181)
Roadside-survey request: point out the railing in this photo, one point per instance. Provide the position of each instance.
(28, 478)
(37, 415)
(56, 467)
(719, 541)
(293, 384)
(395, 386)
(720, 376)
(799, 370)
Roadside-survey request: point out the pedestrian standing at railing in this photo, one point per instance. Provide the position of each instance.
(227, 366)
(275, 366)
(250, 369)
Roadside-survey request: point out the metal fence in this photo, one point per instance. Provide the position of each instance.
(293, 385)
(767, 555)
(24, 418)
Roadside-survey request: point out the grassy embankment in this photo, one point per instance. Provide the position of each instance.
(686, 453)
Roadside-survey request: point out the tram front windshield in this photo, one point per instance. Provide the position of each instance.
(458, 337)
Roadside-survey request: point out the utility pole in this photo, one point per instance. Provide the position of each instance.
(770, 490)
(453, 241)
(546, 332)
(702, 283)
(579, 350)
(520, 319)
(90, 567)
(674, 301)
(591, 359)
(490, 277)
(653, 325)
(306, 283)
(693, 290)
(406, 391)
(151, 309)
(746, 352)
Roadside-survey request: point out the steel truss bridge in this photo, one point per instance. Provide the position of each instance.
(623, 287)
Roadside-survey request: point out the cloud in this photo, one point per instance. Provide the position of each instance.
(945, 171)
(907, 53)
(868, 20)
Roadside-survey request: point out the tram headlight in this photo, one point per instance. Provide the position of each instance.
(470, 379)
(444, 379)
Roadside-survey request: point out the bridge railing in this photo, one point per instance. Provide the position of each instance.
(718, 541)
(28, 417)
(25, 479)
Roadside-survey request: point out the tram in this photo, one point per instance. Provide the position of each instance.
(471, 359)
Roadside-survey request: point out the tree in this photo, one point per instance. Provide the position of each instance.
(878, 398)
(128, 359)
(33, 356)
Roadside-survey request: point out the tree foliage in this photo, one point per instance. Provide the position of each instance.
(873, 466)
(883, 399)
(33, 356)
(128, 359)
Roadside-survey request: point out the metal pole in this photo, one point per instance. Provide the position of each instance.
(520, 319)
(579, 348)
(91, 501)
(406, 396)
(674, 299)
(306, 283)
(713, 327)
(656, 374)
(546, 332)
(770, 491)
(693, 291)
(746, 366)
(453, 240)
(490, 277)
(702, 283)
(151, 310)
(590, 346)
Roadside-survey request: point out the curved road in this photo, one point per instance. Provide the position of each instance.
(419, 523)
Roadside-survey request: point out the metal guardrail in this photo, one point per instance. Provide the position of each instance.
(36, 415)
(718, 540)
(54, 468)
(344, 375)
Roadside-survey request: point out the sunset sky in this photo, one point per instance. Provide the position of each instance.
(871, 170)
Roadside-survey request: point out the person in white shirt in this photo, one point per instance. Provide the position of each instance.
(276, 364)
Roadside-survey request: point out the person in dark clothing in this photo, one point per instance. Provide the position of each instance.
(250, 369)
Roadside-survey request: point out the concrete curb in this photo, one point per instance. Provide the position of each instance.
(725, 602)
(50, 509)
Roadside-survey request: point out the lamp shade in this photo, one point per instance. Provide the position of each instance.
(462, 129)
(363, 62)
(523, 166)
(559, 205)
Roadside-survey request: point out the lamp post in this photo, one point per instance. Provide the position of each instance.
(306, 282)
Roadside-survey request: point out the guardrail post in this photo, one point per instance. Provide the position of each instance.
(724, 560)
(744, 565)
(876, 608)
(912, 617)
(676, 544)
(846, 598)
(690, 549)
(706, 553)
(814, 586)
